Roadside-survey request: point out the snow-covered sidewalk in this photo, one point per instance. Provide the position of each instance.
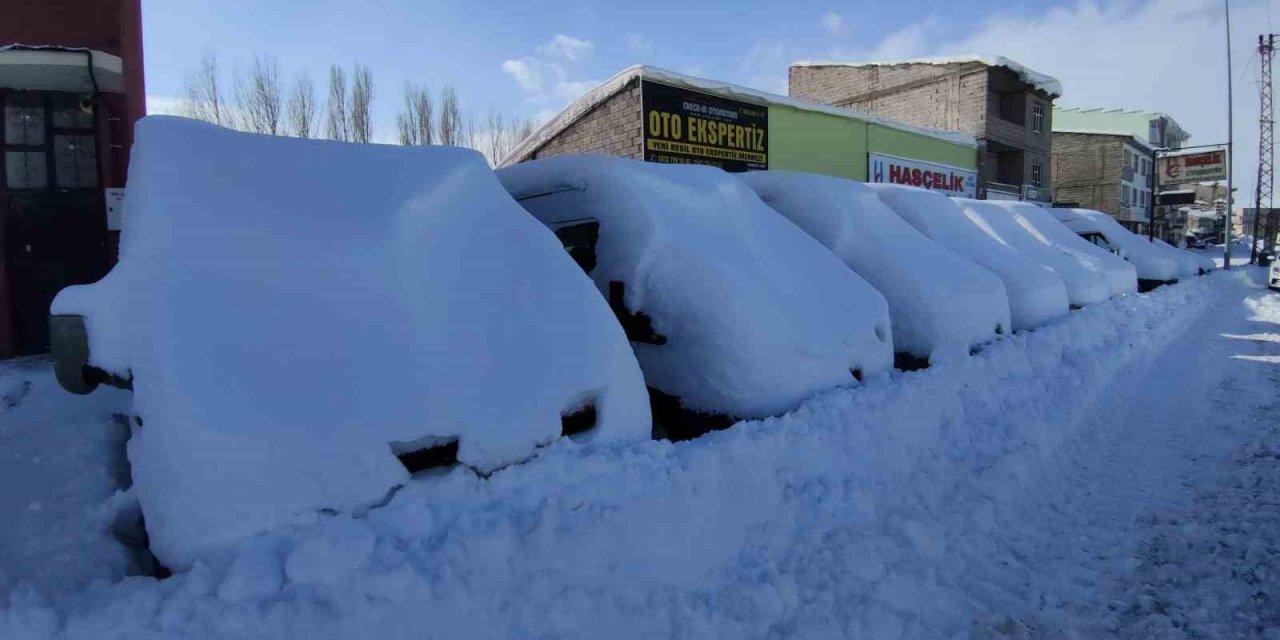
(1030, 490)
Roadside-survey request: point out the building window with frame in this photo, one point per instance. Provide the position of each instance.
(1036, 174)
(1037, 118)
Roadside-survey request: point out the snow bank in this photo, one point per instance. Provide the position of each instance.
(893, 510)
(938, 301)
(1036, 295)
(1189, 264)
(1043, 82)
(756, 315)
(1121, 276)
(1151, 264)
(1083, 285)
(292, 311)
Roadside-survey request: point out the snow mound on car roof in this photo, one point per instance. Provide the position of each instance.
(1151, 263)
(1036, 295)
(1121, 276)
(757, 315)
(291, 310)
(1083, 285)
(937, 299)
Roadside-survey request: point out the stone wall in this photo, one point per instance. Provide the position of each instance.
(1086, 170)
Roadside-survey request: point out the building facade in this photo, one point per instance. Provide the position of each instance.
(1156, 129)
(656, 115)
(1105, 172)
(71, 87)
(1006, 107)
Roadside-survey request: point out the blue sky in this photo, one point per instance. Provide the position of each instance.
(530, 59)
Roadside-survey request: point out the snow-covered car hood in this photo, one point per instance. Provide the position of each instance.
(756, 315)
(293, 311)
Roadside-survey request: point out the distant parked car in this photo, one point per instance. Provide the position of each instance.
(1036, 294)
(733, 311)
(298, 342)
(1084, 286)
(939, 302)
(1154, 267)
(1121, 276)
(1273, 280)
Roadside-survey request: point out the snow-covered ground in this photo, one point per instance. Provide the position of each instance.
(1113, 473)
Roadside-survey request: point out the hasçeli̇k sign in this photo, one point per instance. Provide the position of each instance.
(1192, 167)
(952, 181)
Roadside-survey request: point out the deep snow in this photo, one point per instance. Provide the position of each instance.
(1003, 495)
(940, 303)
(1036, 294)
(293, 313)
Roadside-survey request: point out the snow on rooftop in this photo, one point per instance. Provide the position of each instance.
(589, 100)
(1043, 82)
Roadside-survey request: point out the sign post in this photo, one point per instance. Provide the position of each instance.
(1174, 167)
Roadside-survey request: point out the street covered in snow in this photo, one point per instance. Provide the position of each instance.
(1111, 473)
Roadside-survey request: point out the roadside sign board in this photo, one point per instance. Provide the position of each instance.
(1205, 166)
(952, 181)
(684, 126)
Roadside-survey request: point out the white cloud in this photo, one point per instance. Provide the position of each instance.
(527, 72)
(833, 23)
(567, 48)
(544, 77)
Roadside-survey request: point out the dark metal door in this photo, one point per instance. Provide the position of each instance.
(52, 240)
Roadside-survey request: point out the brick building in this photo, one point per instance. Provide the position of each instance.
(71, 87)
(1005, 106)
(1109, 172)
(657, 115)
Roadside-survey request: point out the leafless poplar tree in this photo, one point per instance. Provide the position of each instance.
(258, 102)
(416, 123)
(202, 97)
(302, 108)
(358, 110)
(451, 124)
(337, 126)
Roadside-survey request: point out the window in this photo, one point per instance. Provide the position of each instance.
(1037, 118)
(1036, 176)
(1124, 195)
(38, 125)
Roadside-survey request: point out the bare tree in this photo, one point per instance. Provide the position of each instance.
(495, 139)
(302, 108)
(358, 111)
(202, 97)
(258, 101)
(336, 109)
(416, 123)
(451, 124)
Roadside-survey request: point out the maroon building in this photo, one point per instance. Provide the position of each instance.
(71, 87)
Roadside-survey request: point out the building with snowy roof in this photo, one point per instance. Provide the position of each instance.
(1004, 105)
(1102, 160)
(661, 116)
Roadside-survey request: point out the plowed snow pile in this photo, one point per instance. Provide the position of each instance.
(923, 505)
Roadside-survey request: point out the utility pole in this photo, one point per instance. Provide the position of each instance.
(1266, 148)
(1231, 165)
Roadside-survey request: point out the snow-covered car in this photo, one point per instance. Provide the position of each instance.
(733, 311)
(303, 322)
(1154, 266)
(1273, 276)
(1189, 264)
(940, 303)
(1121, 276)
(1084, 287)
(1036, 295)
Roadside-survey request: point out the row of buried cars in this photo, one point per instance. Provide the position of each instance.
(304, 324)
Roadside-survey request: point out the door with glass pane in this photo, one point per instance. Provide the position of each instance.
(51, 208)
